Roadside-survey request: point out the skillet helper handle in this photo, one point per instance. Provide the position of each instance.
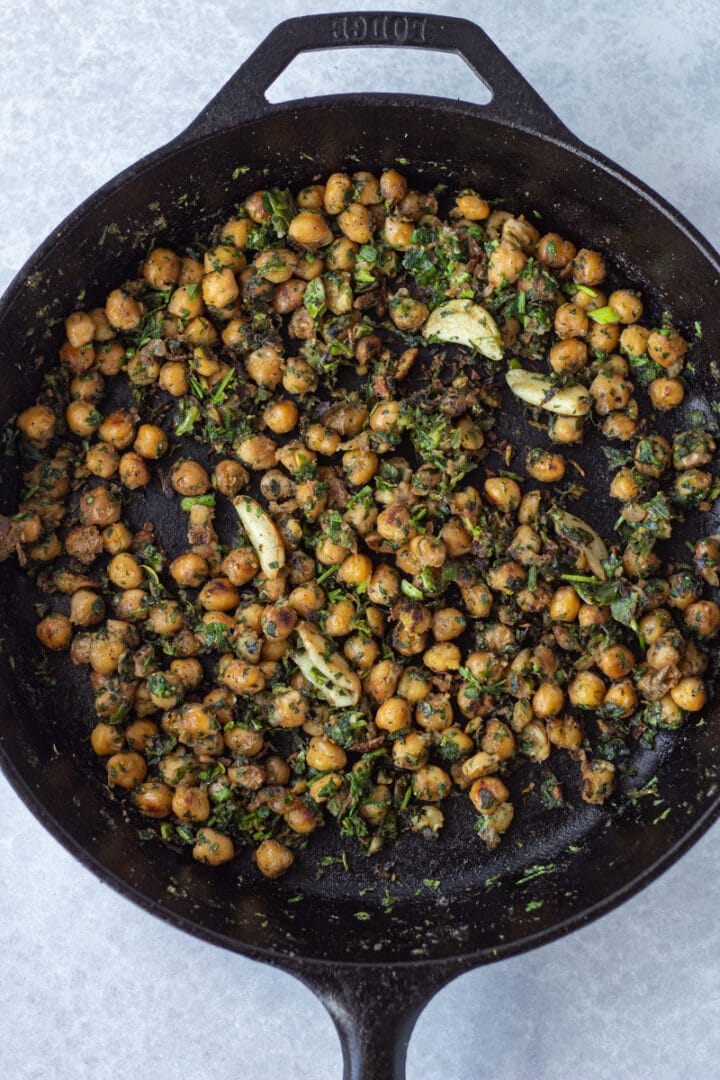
(374, 1010)
(243, 97)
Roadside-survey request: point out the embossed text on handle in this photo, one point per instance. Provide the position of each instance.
(380, 29)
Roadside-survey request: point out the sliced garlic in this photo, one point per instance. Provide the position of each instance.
(540, 391)
(263, 535)
(462, 322)
(328, 672)
(583, 537)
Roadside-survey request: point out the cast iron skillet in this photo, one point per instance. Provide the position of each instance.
(376, 942)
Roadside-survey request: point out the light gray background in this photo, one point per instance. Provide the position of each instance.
(92, 988)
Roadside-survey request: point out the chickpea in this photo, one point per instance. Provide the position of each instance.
(360, 466)
(122, 311)
(242, 678)
(407, 313)
(37, 423)
(118, 430)
(598, 780)
(106, 739)
(191, 804)
(621, 698)
(411, 751)
(626, 304)
(381, 681)
(54, 632)
(443, 656)
(448, 623)
(189, 478)
(666, 347)
(565, 605)
(393, 715)
(652, 455)
(87, 608)
(554, 252)
(83, 418)
(273, 858)
(214, 848)
(324, 754)
(666, 394)
(116, 537)
(702, 617)
(568, 356)
(219, 594)
(430, 783)
(361, 653)
(355, 571)
(102, 460)
(545, 466)
(533, 741)
(281, 417)
(397, 234)
(616, 661)
(498, 740)
(133, 472)
(548, 700)
(310, 229)
(503, 493)
(189, 570)
(610, 392)
(278, 621)
(487, 793)
(161, 269)
(571, 321)
(472, 206)
(586, 690)
(620, 425)
(126, 769)
(565, 732)
(230, 477)
(355, 222)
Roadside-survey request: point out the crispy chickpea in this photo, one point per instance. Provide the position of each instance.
(487, 793)
(545, 466)
(310, 229)
(355, 222)
(568, 356)
(83, 417)
(397, 233)
(407, 313)
(626, 304)
(125, 571)
(503, 493)
(37, 423)
(189, 570)
(442, 657)
(118, 430)
(102, 460)
(355, 571)
(611, 392)
(106, 739)
(548, 700)
(324, 754)
(430, 783)
(666, 394)
(242, 678)
(666, 347)
(360, 466)
(153, 799)
(230, 477)
(586, 690)
(54, 632)
(393, 185)
(472, 206)
(116, 537)
(122, 310)
(621, 698)
(411, 752)
(150, 442)
(191, 804)
(393, 715)
(87, 608)
(161, 269)
(165, 618)
(273, 858)
(189, 478)
(219, 594)
(588, 268)
(213, 847)
(571, 321)
(652, 455)
(702, 617)
(448, 623)
(133, 471)
(126, 769)
(278, 621)
(616, 661)
(565, 605)
(689, 694)
(555, 252)
(598, 780)
(624, 485)
(505, 264)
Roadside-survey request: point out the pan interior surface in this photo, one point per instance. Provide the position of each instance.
(419, 899)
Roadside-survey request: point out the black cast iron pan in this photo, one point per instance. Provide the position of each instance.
(375, 942)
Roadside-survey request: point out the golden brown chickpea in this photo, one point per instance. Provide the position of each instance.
(161, 269)
(125, 571)
(189, 570)
(505, 264)
(360, 466)
(610, 392)
(322, 440)
(624, 485)
(702, 617)
(545, 466)
(80, 329)
(448, 623)
(83, 417)
(487, 793)
(242, 678)
(498, 740)
(666, 347)
(102, 460)
(54, 632)
(616, 661)
(236, 231)
(126, 769)
(278, 621)
(118, 430)
(652, 455)
(472, 206)
(189, 478)
(150, 442)
(411, 752)
(37, 423)
(106, 739)
(310, 229)
(666, 394)
(222, 256)
(554, 252)
(89, 386)
(191, 804)
(133, 471)
(626, 304)
(569, 356)
(565, 605)
(430, 783)
(588, 268)
(324, 754)
(397, 234)
(393, 715)
(587, 690)
(355, 222)
(503, 493)
(620, 425)
(634, 340)
(219, 594)
(87, 608)
(621, 698)
(689, 694)
(212, 847)
(442, 657)
(273, 858)
(122, 310)
(355, 571)
(571, 321)
(117, 537)
(186, 302)
(393, 186)
(153, 799)
(407, 313)
(165, 618)
(548, 700)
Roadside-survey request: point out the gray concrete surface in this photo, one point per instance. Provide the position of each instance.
(92, 988)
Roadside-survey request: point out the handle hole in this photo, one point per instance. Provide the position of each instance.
(368, 70)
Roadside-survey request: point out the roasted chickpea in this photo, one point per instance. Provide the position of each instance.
(554, 252)
(189, 478)
(273, 858)
(702, 617)
(212, 847)
(545, 466)
(310, 229)
(586, 690)
(502, 493)
(565, 605)
(571, 321)
(126, 769)
(122, 311)
(666, 347)
(150, 442)
(54, 632)
(430, 783)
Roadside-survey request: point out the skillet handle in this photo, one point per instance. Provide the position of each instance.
(243, 96)
(374, 1010)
